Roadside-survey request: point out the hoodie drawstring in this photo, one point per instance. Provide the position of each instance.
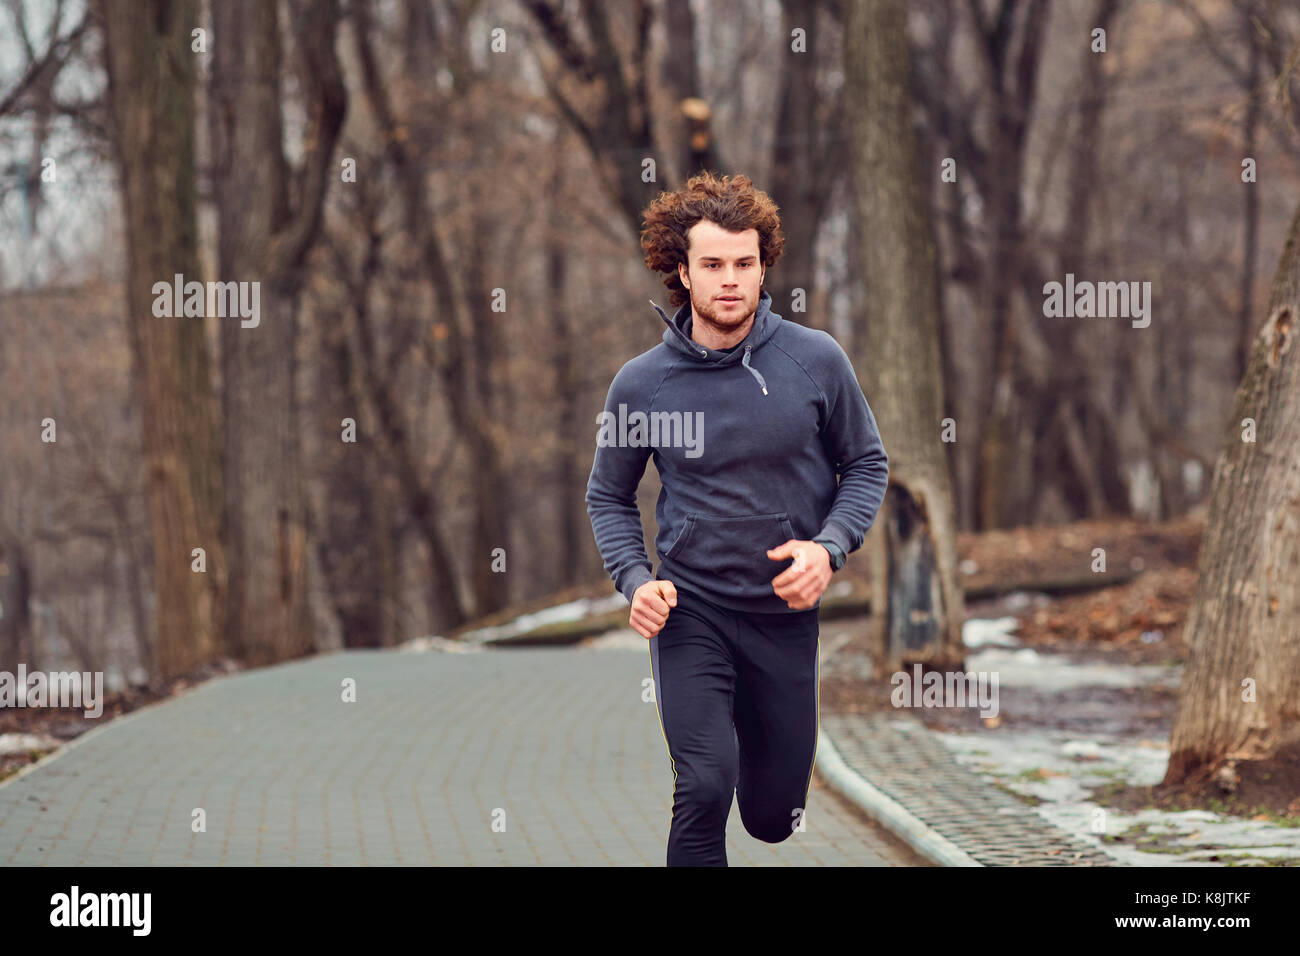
(745, 362)
(704, 352)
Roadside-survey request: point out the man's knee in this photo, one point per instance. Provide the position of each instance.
(771, 826)
(708, 791)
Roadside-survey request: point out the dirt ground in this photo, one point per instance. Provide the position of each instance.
(1106, 624)
(1140, 622)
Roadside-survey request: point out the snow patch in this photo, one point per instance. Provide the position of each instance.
(979, 632)
(15, 743)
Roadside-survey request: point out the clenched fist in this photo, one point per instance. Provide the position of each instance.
(651, 603)
(802, 584)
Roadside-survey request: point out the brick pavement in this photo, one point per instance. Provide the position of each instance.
(558, 740)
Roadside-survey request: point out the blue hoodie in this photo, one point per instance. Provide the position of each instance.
(747, 443)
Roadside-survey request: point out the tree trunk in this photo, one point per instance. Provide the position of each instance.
(571, 514)
(1009, 54)
(264, 239)
(1090, 481)
(697, 148)
(805, 164)
(451, 353)
(916, 596)
(612, 114)
(1250, 198)
(151, 81)
(491, 396)
(15, 607)
(1244, 622)
(357, 546)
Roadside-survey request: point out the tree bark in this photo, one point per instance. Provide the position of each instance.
(358, 549)
(1250, 197)
(264, 238)
(616, 124)
(574, 525)
(1244, 621)
(1010, 58)
(15, 606)
(452, 355)
(151, 82)
(697, 149)
(916, 595)
(807, 157)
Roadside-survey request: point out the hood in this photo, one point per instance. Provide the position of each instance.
(678, 337)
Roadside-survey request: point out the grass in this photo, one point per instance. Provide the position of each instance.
(1141, 837)
(1026, 798)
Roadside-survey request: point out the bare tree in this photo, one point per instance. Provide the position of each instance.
(265, 237)
(914, 554)
(1241, 684)
(453, 360)
(697, 148)
(151, 83)
(15, 603)
(808, 154)
(603, 94)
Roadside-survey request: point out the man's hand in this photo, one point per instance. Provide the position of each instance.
(801, 585)
(651, 603)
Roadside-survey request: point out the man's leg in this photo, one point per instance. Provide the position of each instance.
(776, 703)
(694, 680)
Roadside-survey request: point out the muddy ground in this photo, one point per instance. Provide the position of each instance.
(1138, 624)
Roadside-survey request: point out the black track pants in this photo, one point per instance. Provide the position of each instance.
(737, 699)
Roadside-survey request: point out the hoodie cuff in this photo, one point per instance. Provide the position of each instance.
(633, 578)
(837, 533)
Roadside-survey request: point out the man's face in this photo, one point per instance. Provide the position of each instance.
(725, 274)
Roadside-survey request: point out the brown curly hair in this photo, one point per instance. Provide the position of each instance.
(731, 202)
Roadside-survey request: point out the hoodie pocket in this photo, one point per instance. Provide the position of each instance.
(733, 549)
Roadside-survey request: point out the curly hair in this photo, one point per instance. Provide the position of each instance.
(731, 202)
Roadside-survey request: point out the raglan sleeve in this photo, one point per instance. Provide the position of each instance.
(850, 435)
(616, 472)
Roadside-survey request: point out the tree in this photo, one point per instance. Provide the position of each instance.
(151, 83)
(1241, 684)
(453, 349)
(915, 592)
(615, 128)
(265, 237)
(808, 154)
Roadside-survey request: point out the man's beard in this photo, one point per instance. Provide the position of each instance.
(712, 313)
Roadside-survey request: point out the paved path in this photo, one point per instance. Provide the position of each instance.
(556, 743)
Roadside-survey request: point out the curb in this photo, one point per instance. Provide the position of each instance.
(882, 808)
(888, 812)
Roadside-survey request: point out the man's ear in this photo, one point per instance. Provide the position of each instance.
(682, 275)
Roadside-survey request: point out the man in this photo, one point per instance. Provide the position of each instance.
(749, 418)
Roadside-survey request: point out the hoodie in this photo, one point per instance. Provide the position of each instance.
(768, 441)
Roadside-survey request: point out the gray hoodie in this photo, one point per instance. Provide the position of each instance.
(747, 444)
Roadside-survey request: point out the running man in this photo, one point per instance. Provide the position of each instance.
(750, 420)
